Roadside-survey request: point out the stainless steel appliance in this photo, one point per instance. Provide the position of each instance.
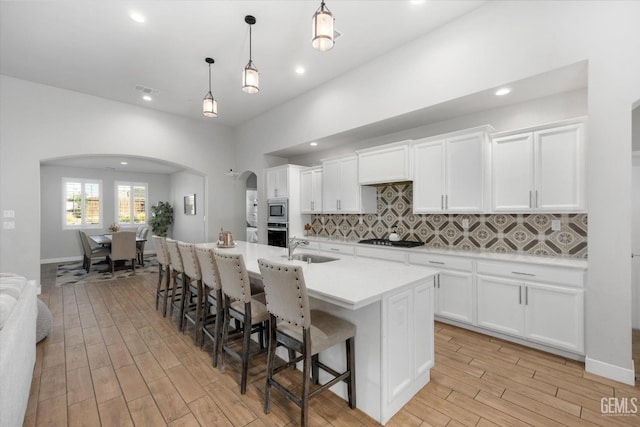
(398, 243)
(278, 210)
(277, 234)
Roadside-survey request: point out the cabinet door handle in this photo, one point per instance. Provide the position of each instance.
(436, 262)
(442, 202)
(335, 249)
(313, 208)
(526, 295)
(519, 294)
(438, 281)
(536, 199)
(530, 199)
(275, 192)
(523, 274)
(446, 201)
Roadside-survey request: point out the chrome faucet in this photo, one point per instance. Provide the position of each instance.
(293, 244)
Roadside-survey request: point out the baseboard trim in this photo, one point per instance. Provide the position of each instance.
(613, 372)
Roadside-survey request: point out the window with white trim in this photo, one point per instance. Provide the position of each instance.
(81, 203)
(131, 203)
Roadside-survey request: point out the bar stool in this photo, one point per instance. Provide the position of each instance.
(293, 325)
(164, 271)
(177, 270)
(191, 308)
(211, 323)
(239, 304)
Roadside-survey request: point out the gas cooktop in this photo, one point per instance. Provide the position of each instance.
(386, 242)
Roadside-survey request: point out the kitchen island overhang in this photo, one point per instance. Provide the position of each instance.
(392, 306)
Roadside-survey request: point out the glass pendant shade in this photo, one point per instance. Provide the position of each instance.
(209, 106)
(250, 78)
(322, 24)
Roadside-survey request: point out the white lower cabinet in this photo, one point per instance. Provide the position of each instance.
(454, 290)
(545, 313)
(454, 295)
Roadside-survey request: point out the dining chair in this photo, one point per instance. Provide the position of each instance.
(295, 326)
(192, 289)
(123, 248)
(211, 323)
(164, 272)
(245, 309)
(91, 252)
(177, 271)
(142, 232)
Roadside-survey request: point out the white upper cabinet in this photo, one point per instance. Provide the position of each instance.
(341, 192)
(278, 182)
(449, 172)
(540, 169)
(384, 164)
(311, 190)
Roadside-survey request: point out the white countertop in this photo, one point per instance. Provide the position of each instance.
(351, 282)
(475, 254)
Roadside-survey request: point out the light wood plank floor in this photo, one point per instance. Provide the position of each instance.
(112, 360)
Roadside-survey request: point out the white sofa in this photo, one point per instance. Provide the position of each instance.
(18, 315)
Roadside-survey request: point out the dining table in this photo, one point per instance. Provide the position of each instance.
(105, 239)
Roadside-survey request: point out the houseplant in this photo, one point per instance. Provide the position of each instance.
(161, 218)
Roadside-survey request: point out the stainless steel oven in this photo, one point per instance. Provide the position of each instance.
(278, 210)
(277, 234)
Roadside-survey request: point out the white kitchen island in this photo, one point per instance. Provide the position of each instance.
(391, 305)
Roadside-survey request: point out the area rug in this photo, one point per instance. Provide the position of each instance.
(72, 273)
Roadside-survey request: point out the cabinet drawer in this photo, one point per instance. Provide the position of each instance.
(532, 272)
(440, 261)
(337, 248)
(385, 254)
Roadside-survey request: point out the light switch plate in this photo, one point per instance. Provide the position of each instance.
(556, 224)
(9, 225)
(8, 214)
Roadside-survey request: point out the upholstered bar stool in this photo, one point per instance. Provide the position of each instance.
(177, 271)
(192, 289)
(239, 304)
(212, 313)
(293, 325)
(164, 272)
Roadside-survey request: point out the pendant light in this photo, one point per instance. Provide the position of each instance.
(322, 29)
(209, 104)
(250, 75)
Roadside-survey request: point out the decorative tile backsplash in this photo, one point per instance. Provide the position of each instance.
(507, 233)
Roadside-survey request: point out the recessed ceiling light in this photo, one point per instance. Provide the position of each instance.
(503, 91)
(124, 163)
(313, 144)
(300, 70)
(417, 1)
(137, 17)
(147, 98)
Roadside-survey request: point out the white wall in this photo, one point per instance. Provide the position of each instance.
(635, 238)
(498, 43)
(188, 228)
(69, 123)
(60, 244)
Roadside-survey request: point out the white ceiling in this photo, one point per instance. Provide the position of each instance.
(95, 48)
(114, 163)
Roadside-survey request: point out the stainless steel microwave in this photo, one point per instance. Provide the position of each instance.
(278, 211)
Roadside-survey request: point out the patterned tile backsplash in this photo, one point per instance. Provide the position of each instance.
(507, 233)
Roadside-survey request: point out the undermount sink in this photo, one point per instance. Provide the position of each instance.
(313, 258)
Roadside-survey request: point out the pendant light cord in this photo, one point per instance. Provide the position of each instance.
(250, 42)
(209, 78)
